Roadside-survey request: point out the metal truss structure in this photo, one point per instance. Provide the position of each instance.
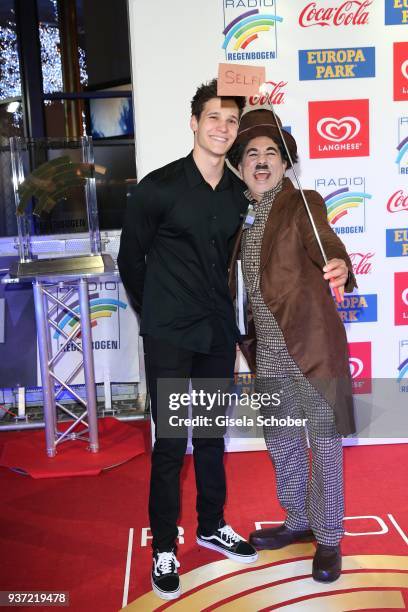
(48, 299)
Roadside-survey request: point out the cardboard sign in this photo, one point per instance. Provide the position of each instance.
(240, 80)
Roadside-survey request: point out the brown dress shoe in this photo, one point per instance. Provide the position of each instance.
(327, 563)
(278, 537)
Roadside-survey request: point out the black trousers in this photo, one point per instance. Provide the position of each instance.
(165, 361)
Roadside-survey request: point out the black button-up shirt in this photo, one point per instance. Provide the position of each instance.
(173, 258)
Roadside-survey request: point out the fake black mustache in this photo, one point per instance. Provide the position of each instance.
(261, 167)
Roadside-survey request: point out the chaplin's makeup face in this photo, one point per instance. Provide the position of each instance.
(262, 166)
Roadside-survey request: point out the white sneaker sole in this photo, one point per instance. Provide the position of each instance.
(231, 555)
(165, 594)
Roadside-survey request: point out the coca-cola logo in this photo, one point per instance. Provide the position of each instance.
(356, 366)
(404, 69)
(271, 94)
(361, 262)
(353, 12)
(338, 130)
(397, 202)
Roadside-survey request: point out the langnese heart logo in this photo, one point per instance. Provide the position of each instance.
(356, 367)
(338, 130)
(404, 69)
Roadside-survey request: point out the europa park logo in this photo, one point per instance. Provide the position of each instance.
(250, 34)
(352, 13)
(396, 12)
(339, 128)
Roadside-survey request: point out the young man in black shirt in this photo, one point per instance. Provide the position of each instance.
(173, 261)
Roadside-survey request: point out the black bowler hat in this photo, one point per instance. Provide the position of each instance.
(260, 122)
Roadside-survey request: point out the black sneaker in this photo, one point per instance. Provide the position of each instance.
(229, 543)
(165, 579)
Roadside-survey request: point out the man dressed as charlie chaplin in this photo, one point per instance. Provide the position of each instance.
(296, 340)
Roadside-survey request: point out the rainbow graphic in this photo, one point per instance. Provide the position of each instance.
(341, 201)
(99, 308)
(402, 150)
(403, 370)
(244, 29)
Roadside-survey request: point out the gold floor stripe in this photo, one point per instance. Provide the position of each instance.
(376, 562)
(229, 586)
(211, 594)
(347, 602)
(217, 569)
(284, 592)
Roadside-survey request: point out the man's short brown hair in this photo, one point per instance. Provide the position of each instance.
(208, 91)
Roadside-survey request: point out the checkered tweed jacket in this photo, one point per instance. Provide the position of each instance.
(293, 288)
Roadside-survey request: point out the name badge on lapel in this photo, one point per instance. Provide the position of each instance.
(250, 217)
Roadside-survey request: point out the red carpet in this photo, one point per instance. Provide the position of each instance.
(118, 442)
(72, 535)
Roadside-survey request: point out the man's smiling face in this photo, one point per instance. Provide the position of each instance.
(217, 126)
(262, 166)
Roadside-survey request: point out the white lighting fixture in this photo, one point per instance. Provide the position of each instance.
(13, 106)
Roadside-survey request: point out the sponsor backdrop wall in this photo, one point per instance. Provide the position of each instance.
(337, 73)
